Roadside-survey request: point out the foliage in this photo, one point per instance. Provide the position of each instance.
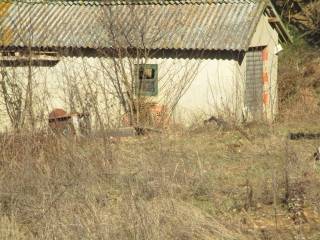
(303, 15)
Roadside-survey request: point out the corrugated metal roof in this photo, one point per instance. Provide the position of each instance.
(185, 24)
(127, 2)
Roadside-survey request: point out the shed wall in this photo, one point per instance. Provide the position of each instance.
(197, 88)
(266, 36)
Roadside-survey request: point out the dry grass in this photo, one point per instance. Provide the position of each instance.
(200, 184)
(299, 82)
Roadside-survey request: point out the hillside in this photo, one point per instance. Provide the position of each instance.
(299, 81)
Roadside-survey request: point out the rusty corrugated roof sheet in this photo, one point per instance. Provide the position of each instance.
(183, 24)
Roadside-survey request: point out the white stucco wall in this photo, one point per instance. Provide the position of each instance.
(214, 91)
(198, 88)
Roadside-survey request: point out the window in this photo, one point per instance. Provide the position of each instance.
(147, 80)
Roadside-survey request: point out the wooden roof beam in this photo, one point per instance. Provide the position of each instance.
(273, 20)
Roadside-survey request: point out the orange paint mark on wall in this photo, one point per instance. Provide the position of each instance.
(265, 77)
(265, 54)
(265, 98)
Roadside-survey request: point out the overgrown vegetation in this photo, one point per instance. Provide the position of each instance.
(196, 184)
(303, 16)
(299, 81)
(199, 183)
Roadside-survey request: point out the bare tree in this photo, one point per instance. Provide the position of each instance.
(127, 65)
(124, 70)
(13, 99)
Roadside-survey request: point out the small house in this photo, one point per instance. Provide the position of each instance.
(200, 58)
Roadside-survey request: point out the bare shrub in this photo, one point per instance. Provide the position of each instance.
(58, 188)
(298, 82)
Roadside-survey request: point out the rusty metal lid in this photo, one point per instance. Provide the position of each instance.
(57, 113)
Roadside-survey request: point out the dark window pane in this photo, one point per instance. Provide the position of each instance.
(147, 80)
(146, 73)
